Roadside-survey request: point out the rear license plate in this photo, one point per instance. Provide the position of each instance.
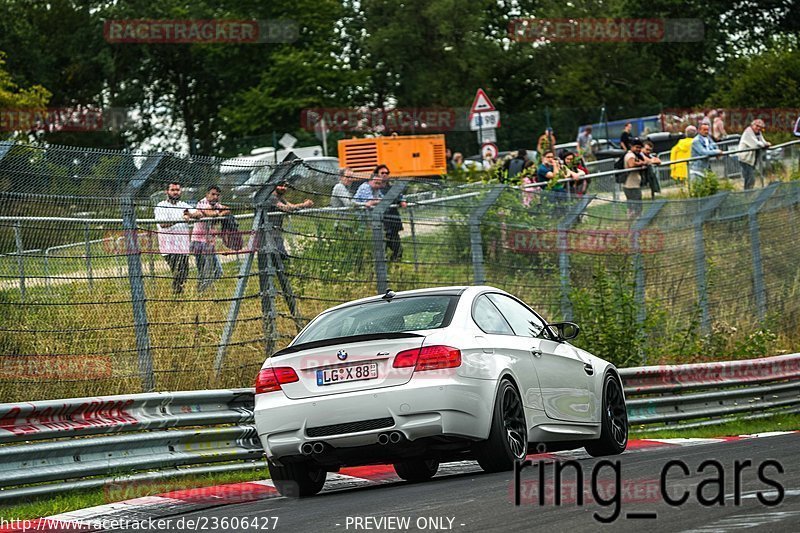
(343, 374)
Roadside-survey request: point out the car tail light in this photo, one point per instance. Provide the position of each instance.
(428, 358)
(271, 379)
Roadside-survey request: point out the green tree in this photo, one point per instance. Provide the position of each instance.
(768, 79)
(14, 97)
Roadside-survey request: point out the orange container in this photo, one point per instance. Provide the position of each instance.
(406, 156)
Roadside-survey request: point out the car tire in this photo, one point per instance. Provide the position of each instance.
(508, 436)
(614, 430)
(417, 470)
(297, 480)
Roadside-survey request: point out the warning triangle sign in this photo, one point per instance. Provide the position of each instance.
(481, 103)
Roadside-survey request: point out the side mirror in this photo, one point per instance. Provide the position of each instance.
(566, 330)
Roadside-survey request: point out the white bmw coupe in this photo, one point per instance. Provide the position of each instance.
(427, 376)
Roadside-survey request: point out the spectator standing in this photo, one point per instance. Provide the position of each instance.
(448, 155)
(488, 160)
(458, 161)
(204, 237)
(551, 170)
(340, 195)
(576, 170)
(526, 183)
(547, 141)
(650, 175)
(584, 143)
(626, 138)
(682, 150)
(515, 165)
(277, 203)
(753, 141)
(369, 195)
(702, 145)
(173, 234)
(633, 183)
(718, 127)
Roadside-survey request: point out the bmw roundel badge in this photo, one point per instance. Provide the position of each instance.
(342, 355)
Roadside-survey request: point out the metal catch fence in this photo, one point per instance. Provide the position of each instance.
(90, 306)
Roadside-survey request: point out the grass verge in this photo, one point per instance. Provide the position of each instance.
(62, 503)
(783, 422)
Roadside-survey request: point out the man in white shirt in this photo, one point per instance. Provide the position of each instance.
(752, 140)
(173, 234)
(341, 195)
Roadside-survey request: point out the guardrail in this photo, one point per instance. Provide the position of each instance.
(150, 436)
(711, 391)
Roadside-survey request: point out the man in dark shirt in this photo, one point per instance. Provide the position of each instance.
(626, 137)
(277, 203)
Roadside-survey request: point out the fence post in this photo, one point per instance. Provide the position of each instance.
(88, 255)
(700, 257)
(413, 237)
(378, 246)
(134, 256)
(20, 259)
(258, 240)
(563, 252)
(475, 238)
(638, 264)
(755, 246)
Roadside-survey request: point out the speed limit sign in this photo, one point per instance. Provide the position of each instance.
(489, 150)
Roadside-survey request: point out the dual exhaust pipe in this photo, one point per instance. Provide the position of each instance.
(309, 448)
(392, 437)
(317, 448)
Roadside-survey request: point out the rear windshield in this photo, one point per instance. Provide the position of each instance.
(400, 314)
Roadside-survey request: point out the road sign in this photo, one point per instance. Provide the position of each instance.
(287, 141)
(484, 120)
(481, 104)
(487, 136)
(489, 149)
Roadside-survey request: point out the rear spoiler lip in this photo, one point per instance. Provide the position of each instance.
(339, 340)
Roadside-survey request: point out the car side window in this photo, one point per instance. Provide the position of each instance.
(522, 320)
(488, 318)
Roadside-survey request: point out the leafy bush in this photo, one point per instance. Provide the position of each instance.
(708, 185)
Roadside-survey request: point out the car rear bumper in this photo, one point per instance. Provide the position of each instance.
(423, 407)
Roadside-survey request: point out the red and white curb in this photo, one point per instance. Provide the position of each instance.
(187, 500)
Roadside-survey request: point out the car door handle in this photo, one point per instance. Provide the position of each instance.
(536, 352)
(588, 368)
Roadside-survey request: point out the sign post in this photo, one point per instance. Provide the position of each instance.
(484, 118)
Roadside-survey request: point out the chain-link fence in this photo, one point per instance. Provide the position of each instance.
(89, 305)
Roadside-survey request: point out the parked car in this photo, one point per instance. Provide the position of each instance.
(250, 173)
(427, 376)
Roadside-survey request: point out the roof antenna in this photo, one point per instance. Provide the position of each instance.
(389, 295)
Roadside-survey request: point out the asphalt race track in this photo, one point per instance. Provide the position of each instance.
(462, 498)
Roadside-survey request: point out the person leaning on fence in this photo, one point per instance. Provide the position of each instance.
(633, 182)
(702, 145)
(277, 203)
(649, 175)
(369, 195)
(577, 171)
(753, 141)
(341, 196)
(173, 234)
(209, 267)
